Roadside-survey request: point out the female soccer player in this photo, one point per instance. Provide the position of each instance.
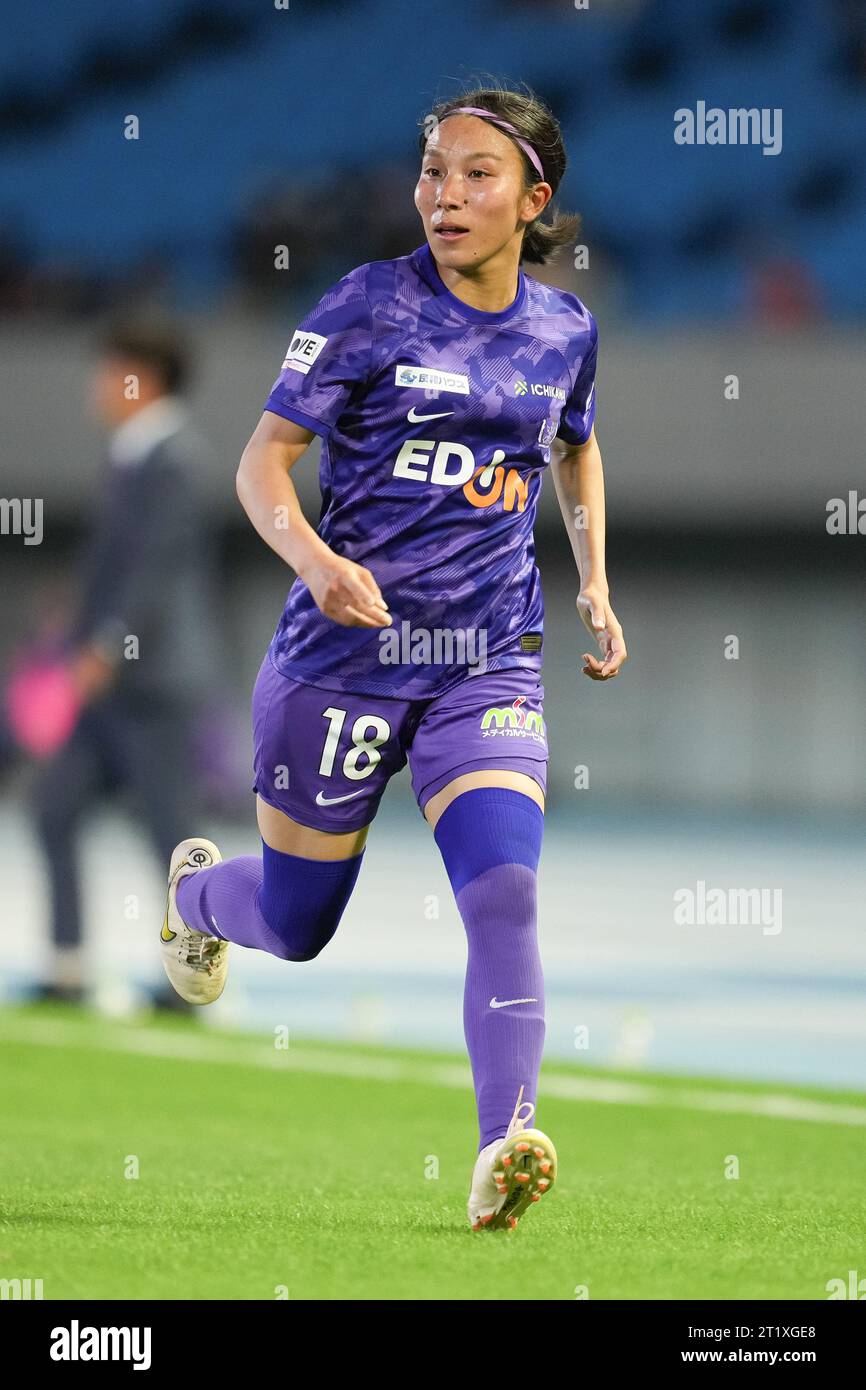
(438, 382)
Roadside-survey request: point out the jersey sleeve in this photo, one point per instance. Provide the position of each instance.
(578, 413)
(328, 356)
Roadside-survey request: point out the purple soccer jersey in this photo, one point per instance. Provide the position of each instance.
(436, 422)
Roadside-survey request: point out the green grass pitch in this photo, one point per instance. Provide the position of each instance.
(335, 1171)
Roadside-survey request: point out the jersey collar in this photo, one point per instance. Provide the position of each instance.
(425, 262)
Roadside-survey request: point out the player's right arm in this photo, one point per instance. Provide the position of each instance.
(344, 591)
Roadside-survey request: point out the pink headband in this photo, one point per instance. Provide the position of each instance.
(505, 125)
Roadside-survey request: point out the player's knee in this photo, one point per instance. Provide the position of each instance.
(300, 953)
(301, 940)
(303, 901)
(501, 903)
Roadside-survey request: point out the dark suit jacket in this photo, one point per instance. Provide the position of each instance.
(149, 573)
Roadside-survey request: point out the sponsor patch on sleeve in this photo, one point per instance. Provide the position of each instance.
(303, 351)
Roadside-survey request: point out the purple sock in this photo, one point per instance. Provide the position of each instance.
(280, 903)
(505, 1040)
(490, 839)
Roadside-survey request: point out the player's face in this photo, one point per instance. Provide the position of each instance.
(472, 181)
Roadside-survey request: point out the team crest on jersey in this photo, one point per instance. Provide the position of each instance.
(429, 377)
(512, 721)
(547, 433)
(303, 351)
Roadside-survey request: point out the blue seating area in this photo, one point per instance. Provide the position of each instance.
(235, 97)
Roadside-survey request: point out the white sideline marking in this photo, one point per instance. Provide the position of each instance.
(221, 1049)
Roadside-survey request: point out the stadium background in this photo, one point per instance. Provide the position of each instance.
(262, 126)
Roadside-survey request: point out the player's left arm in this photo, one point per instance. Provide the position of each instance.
(578, 477)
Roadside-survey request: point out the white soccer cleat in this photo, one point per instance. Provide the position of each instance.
(195, 963)
(510, 1174)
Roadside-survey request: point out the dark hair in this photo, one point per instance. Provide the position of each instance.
(535, 122)
(157, 343)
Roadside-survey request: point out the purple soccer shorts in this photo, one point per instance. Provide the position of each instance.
(324, 757)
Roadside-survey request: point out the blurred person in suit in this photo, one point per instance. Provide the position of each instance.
(142, 645)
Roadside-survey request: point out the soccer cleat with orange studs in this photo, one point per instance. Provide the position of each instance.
(511, 1174)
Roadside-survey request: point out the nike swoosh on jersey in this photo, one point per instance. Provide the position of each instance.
(417, 419)
(322, 800)
(503, 1003)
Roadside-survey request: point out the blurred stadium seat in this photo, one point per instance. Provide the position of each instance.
(178, 199)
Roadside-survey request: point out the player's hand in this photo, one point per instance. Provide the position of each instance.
(599, 619)
(347, 593)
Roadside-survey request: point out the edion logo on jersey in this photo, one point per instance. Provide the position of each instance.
(433, 461)
(303, 351)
